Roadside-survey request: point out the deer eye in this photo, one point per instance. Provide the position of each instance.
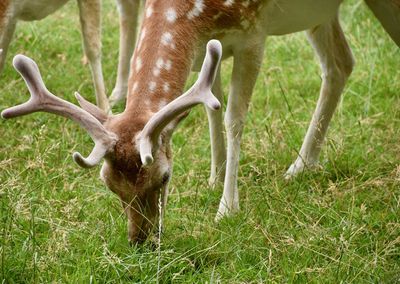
(165, 178)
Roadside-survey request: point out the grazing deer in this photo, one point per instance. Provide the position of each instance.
(135, 143)
(12, 11)
(119, 139)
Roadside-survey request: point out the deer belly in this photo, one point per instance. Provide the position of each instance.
(289, 16)
(36, 10)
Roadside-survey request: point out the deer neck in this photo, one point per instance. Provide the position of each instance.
(162, 59)
(171, 33)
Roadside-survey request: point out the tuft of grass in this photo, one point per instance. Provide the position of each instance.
(339, 224)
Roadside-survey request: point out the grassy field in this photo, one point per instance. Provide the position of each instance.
(340, 224)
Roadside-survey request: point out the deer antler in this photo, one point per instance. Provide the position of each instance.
(200, 92)
(42, 100)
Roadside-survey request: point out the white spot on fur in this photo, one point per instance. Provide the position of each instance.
(162, 104)
(156, 71)
(170, 15)
(166, 87)
(142, 35)
(229, 3)
(138, 64)
(152, 86)
(135, 87)
(168, 65)
(160, 63)
(149, 11)
(166, 38)
(197, 9)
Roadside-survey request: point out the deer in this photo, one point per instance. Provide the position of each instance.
(12, 11)
(135, 144)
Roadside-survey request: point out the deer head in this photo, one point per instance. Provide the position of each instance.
(135, 144)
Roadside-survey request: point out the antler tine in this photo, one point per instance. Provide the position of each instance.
(209, 71)
(94, 110)
(42, 100)
(200, 92)
(30, 73)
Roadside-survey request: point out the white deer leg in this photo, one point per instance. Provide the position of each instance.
(218, 152)
(90, 17)
(245, 70)
(337, 64)
(128, 13)
(7, 28)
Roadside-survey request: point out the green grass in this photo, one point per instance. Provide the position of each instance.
(341, 224)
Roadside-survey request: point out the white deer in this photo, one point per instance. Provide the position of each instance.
(11, 11)
(135, 143)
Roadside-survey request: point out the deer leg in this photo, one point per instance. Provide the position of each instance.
(128, 13)
(245, 70)
(337, 64)
(218, 153)
(7, 28)
(90, 17)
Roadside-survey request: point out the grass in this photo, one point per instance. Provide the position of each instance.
(340, 224)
